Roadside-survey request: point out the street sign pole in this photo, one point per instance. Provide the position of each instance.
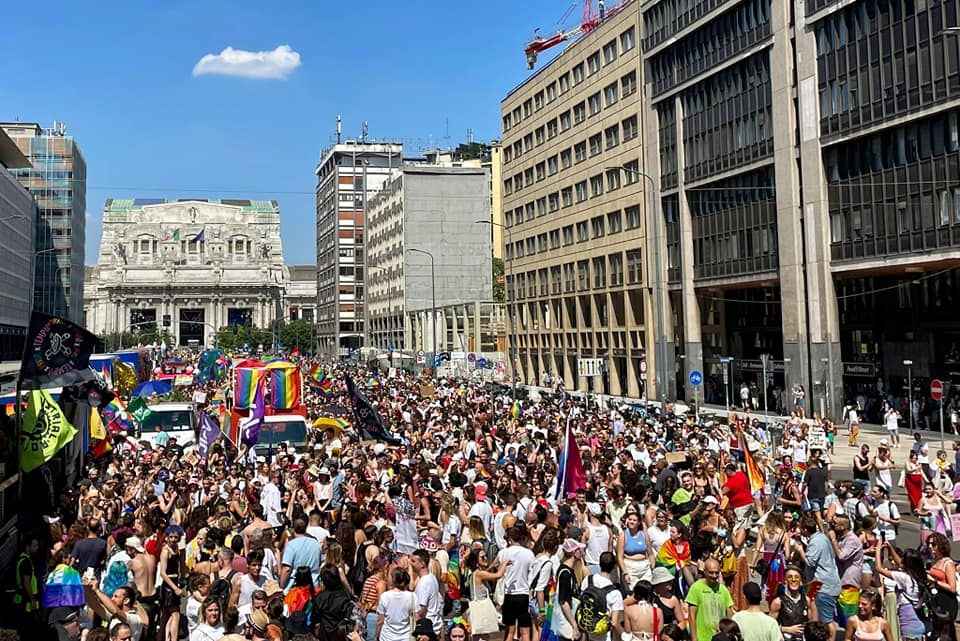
(696, 379)
(936, 392)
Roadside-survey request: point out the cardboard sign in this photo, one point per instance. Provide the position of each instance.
(817, 438)
(427, 391)
(675, 457)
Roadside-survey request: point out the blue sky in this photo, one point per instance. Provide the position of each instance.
(121, 75)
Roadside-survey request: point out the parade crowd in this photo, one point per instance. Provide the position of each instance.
(485, 517)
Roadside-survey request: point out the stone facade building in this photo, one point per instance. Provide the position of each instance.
(189, 266)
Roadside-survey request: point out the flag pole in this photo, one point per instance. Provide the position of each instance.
(19, 432)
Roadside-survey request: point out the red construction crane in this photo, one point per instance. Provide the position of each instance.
(589, 21)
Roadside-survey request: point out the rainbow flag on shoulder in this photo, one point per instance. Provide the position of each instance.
(516, 410)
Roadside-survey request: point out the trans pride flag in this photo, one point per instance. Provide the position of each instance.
(284, 388)
(570, 474)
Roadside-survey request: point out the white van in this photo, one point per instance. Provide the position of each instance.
(178, 420)
(282, 430)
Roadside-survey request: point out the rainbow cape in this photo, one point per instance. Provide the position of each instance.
(63, 588)
(516, 410)
(284, 388)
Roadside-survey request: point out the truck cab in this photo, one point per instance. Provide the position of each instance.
(177, 420)
(282, 430)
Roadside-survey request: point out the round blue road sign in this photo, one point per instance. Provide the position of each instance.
(696, 377)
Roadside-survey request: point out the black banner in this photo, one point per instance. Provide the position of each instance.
(56, 354)
(368, 419)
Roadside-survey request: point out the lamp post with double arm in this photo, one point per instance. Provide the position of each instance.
(433, 291)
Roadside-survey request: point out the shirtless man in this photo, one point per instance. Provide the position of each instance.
(144, 568)
(257, 525)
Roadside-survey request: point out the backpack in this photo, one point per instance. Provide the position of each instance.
(593, 615)
(115, 577)
(221, 590)
(358, 571)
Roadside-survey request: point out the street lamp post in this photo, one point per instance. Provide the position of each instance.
(389, 320)
(909, 364)
(511, 338)
(433, 320)
(661, 347)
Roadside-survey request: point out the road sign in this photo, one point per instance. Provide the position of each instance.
(472, 357)
(643, 369)
(696, 377)
(936, 389)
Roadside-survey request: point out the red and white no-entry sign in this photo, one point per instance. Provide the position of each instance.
(936, 389)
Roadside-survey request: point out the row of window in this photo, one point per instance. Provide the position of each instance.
(916, 212)
(880, 58)
(928, 138)
(627, 41)
(577, 114)
(583, 231)
(608, 271)
(595, 145)
(721, 39)
(663, 20)
(667, 131)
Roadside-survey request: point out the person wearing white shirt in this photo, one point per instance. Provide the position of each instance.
(482, 509)
(270, 500)
(429, 601)
(516, 585)
(614, 599)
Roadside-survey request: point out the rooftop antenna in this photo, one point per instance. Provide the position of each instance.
(469, 136)
(339, 128)
(446, 137)
(363, 133)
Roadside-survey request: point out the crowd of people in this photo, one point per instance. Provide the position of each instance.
(679, 529)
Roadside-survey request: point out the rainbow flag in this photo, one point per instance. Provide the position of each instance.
(516, 410)
(325, 387)
(115, 412)
(373, 382)
(284, 388)
(245, 386)
(63, 588)
(316, 375)
(753, 472)
(848, 603)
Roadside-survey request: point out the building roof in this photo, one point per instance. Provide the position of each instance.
(10, 155)
(124, 205)
(303, 272)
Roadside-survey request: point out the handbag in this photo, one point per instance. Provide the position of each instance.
(482, 613)
(762, 567)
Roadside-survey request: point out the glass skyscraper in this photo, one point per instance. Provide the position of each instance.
(58, 182)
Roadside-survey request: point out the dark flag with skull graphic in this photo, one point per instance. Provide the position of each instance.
(56, 354)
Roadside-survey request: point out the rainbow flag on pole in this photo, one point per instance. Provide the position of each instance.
(117, 417)
(284, 388)
(316, 375)
(245, 386)
(753, 472)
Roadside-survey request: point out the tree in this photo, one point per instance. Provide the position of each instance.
(498, 281)
(300, 334)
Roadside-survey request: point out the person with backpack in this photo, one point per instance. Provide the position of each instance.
(909, 582)
(225, 586)
(708, 601)
(601, 603)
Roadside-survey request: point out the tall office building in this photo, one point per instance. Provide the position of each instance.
(17, 215)
(348, 174)
(805, 158)
(57, 178)
(575, 234)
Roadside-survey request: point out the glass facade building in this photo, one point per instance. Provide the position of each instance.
(58, 182)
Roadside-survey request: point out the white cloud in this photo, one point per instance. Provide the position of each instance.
(272, 65)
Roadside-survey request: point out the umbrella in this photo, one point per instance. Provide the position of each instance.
(330, 423)
(280, 365)
(149, 388)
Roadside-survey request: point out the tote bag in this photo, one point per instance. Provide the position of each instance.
(482, 612)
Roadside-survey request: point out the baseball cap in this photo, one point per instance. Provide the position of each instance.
(570, 546)
(135, 543)
(62, 614)
(594, 508)
(709, 498)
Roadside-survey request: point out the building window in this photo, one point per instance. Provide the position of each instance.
(568, 235)
(551, 165)
(528, 177)
(564, 82)
(632, 171)
(538, 101)
(595, 103)
(630, 129)
(506, 122)
(508, 218)
(566, 195)
(579, 112)
(616, 269)
(583, 275)
(599, 272)
(528, 142)
(542, 242)
(632, 214)
(554, 238)
(541, 169)
(614, 222)
(634, 267)
(597, 227)
(596, 185)
(580, 151)
(609, 52)
(593, 63)
(628, 40)
(566, 159)
(552, 128)
(507, 153)
(581, 188)
(507, 186)
(527, 108)
(612, 135)
(551, 92)
(613, 179)
(530, 211)
(553, 201)
(577, 74)
(610, 94)
(596, 144)
(628, 84)
(565, 120)
(539, 134)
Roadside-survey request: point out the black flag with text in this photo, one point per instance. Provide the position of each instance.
(369, 420)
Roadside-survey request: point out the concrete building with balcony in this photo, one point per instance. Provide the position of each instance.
(188, 267)
(347, 176)
(18, 212)
(576, 230)
(57, 178)
(431, 209)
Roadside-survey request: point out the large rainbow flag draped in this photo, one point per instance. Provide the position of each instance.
(570, 474)
(284, 388)
(63, 588)
(848, 603)
(753, 471)
(549, 631)
(248, 379)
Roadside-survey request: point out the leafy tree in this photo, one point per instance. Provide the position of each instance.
(299, 333)
(499, 281)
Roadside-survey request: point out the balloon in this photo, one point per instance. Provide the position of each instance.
(189, 369)
(158, 371)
